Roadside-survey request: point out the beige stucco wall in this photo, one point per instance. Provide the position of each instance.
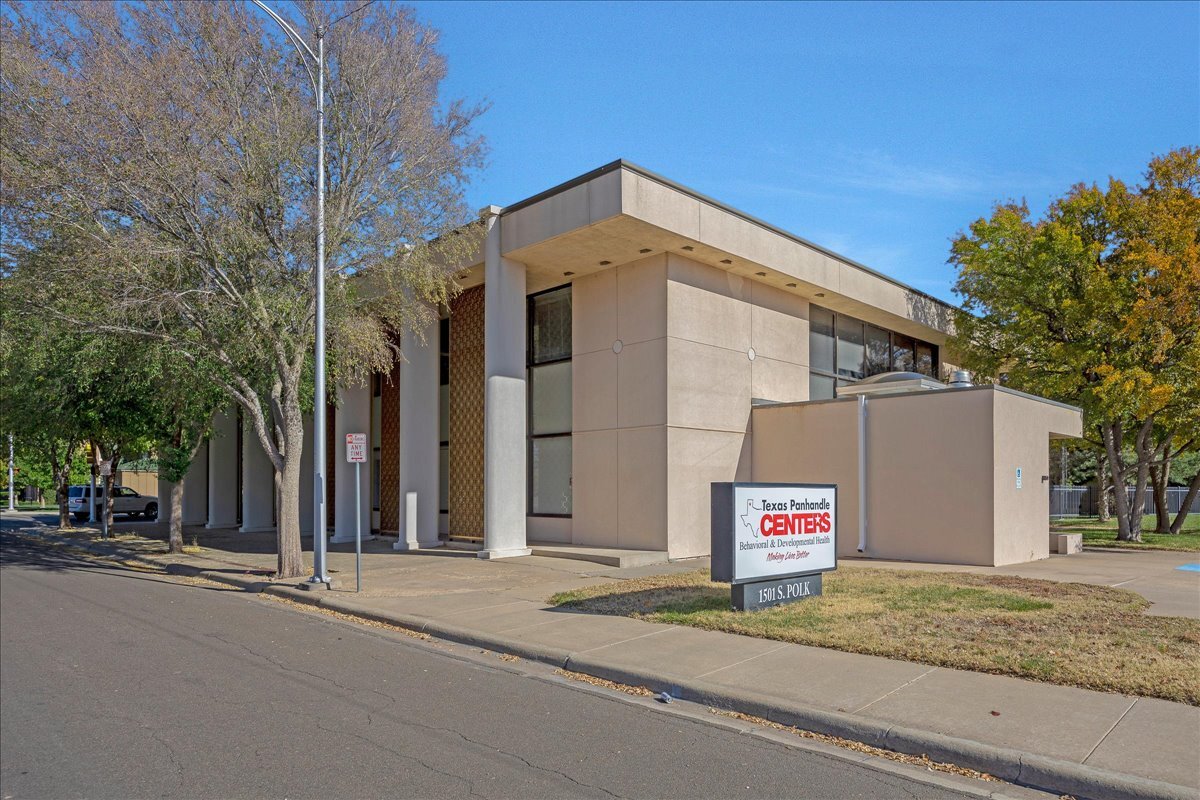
(940, 470)
(1022, 430)
(619, 407)
(729, 340)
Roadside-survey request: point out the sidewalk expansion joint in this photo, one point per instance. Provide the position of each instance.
(623, 641)
(1108, 732)
(898, 688)
(743, 661)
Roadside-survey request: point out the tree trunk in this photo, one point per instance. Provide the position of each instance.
(1160, 474)
(62, 490)
(287, 492)
(1188, 499)
(1103, 509)
(1126, 531)
(175, 519)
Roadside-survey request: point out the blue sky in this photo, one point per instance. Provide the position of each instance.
(877, 130)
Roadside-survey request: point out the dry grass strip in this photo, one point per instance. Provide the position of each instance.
(1072, 634)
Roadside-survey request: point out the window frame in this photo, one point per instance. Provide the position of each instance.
(531, 437)
(840, 379)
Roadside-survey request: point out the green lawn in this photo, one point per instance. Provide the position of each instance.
(1104, 534)
(1073, 634)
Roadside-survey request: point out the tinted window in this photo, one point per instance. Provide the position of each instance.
(550, 326)
(78, 491)
(879, 346)
(850, 347)
(820, 340)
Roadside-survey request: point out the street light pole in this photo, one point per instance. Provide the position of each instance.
(12, 488)
(319, 424)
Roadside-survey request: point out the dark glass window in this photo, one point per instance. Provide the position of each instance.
(843, 350)
(549, 388)
(851, 350)
(879, 350)
(550, 326)
(821, 339)
(902, 353)
(820, 387)
(926, 361)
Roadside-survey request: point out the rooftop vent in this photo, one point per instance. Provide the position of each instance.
(891, 383)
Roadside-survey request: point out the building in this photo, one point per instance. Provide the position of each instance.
(599, 370)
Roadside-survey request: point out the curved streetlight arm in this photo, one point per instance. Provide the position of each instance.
(301, 46)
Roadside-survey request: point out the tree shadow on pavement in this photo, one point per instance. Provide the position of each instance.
(26, 551)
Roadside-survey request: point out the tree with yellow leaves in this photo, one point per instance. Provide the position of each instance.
(1098, 304)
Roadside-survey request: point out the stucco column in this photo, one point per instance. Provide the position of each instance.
(504, 473)
(222, 471)
(195, 489)
(258, 485)
(307, 508)
(419, 441)
(353, 416)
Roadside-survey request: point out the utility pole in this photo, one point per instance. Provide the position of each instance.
(12, 487)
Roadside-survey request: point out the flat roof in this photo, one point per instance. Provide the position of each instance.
(621, 163)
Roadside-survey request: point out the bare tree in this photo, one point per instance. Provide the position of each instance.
(175, 141)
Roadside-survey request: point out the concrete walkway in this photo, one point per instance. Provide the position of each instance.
(1074, 741)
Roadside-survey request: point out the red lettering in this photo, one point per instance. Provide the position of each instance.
(764, 525)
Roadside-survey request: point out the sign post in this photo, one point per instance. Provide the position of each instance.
(105, 471)
(772, 541)
(356, 454)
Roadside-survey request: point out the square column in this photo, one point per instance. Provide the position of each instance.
(223, 471)
(195, 489)
(258, 485)
(419, 445)
(353, 416)
(504, 481)
(307, 506)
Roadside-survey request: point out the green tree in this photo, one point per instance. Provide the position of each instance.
(37, 364)
(177, 140)
(1097, 304)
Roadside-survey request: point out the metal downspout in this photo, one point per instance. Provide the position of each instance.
(862, 473)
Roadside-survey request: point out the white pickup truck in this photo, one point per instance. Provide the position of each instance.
(125, 501)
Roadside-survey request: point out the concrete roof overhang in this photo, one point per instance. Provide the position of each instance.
(621, 213)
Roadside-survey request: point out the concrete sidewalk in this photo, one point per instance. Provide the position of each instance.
(1073, 741)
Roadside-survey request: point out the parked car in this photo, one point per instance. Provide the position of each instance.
(125, 501)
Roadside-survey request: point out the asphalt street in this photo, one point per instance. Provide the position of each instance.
(122, 683)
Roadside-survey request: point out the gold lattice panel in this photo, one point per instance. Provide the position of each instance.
(466, 414)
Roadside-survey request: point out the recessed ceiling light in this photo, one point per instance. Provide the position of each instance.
(644, 250)
(726, 261)
(761, 274)
(791, 286)
(605, 263)
(568, 274)
(687, 247)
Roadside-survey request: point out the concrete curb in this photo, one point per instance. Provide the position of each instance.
(1014, 766)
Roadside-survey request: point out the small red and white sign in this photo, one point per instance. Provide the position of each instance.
(356, 448)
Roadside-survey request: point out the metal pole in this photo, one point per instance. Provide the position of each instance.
(358, 526)
(12, 487)
(92, 490)
(319, 575)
